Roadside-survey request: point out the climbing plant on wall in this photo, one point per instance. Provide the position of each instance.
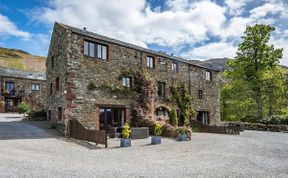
(182, 98)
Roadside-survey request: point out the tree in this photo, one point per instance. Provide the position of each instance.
(254, 57)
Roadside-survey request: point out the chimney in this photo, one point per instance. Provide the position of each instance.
(84, 28)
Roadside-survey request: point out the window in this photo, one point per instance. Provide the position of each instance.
(126, 82)
(174, 67)
(30, 75)
(200, 94)
(203, 116)
(150, 62)
(95, 50)
(51, 88)
(35, 87)
(52, 61)
(208, 76)
(60, 113)
(161, 89)
(9, 86)
(57, 84)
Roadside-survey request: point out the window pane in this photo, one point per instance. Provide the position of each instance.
(99, 51)
(104, 52)
(37, 87)
(86, 48)
(91, 49)
(148, 62)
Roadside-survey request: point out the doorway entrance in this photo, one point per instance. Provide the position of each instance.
(111, 117)
(203, 116)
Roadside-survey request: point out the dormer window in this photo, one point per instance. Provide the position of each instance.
(30, 75)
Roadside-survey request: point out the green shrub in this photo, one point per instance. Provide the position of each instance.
(126, 131)
(183, 131)
(173, 117)
(53, 125)
(34, 113)
(24, 108)
(158, 129)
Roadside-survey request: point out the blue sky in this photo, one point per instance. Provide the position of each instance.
(192, 29)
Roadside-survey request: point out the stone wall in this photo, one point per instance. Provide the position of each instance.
(59, 52)
(23, 89)
(78, 72)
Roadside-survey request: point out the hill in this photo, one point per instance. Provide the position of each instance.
(214, 63)
(18, 59)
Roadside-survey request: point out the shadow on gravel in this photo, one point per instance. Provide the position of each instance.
(21, 129)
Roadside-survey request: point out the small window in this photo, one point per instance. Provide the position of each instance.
(9, 86)
(161, 89)
(150, 62)
(95, 50)
(35, 87)
(126, 82)
(174, 67)
(60, 113)
(51, 88)
(57, 84)
(208, 76)
(200, 94)
(30, 75)
(52, 61)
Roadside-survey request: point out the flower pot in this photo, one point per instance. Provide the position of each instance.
(125, 142)
(155, 140)
(182, 137)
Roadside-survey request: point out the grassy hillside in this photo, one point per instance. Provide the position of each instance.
(19, 59)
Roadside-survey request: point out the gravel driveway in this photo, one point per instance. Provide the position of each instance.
(30, 151)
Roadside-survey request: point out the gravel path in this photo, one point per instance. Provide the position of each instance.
(30, 151)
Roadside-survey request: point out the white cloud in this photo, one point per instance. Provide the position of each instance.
(9, 28)
(135, 22)
(236, 7)
(217, 29)
(212, 50)
(267, 8)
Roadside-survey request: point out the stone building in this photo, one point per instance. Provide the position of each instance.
(19, 85)
(81, 63)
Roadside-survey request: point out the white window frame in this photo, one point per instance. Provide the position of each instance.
(150, 62)
(174, 67)
(126, 82)
(35, 87)
(95, 50)
(208, 75)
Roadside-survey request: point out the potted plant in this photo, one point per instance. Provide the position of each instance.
(182, 135)
(156, 139)
(125, 141)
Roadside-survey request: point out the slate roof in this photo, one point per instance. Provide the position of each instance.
(9, 72)
(118, 42)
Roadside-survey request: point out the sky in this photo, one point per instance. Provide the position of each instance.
(191, 29)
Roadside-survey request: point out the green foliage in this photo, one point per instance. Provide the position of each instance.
(173, 117)
(24, 108)
(126, 131)
(183, 130)
(181, 97)
(158, 129)
(255, 85)
(53, 125)
(37, 115)
(91, 87)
